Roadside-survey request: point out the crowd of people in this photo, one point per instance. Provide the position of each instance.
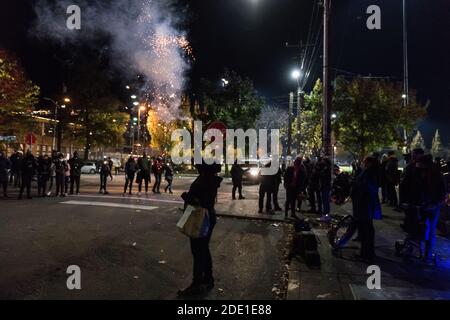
(58, 176)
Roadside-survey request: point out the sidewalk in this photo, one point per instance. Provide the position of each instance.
(342, 278)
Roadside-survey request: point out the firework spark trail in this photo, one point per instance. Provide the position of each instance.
(144, 40)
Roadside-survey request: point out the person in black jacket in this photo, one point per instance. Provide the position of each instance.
(43, 174)
(105, 172)
(325, 188)
(426, 193)
(392, 179)
(75, 172)
(28, 170)
(203, 193)
(236, 177)
(277, 181)
(130, 172)
(294, 183)
(266, 189)
(5, 165)
(168, 175)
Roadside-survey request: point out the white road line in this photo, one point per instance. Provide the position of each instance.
(110, 204)
(130, 198)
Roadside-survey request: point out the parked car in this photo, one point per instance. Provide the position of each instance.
(89, 168)
(252, 171)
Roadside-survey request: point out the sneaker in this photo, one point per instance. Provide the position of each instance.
(241, 198)
(192, 290)
(325, 218)
(260, 211)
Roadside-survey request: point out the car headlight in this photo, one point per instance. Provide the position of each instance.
(254, 172)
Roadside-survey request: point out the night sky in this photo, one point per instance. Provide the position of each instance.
(249, 36)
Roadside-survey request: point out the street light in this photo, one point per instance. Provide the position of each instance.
(136, 103)
(134, 97)
(296, 74)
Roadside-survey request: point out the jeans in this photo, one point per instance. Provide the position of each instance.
(59, 180)
(238, 186)
(26, 183)
(128, 183)
(103, 182)
(74, 180)
(291, 199)
(325, 194)
(202, 269)
(169, 185)
(42, 185)
(157, 183)
(262, 193)
(143, 176)
(431, 220)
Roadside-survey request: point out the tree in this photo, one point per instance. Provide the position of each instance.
(237, 104)
(437, 148)
(370, 113)
(418, 141)
(18, 95)
(91, 89)
(310, 135)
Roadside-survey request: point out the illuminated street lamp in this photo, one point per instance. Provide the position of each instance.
(134, 97)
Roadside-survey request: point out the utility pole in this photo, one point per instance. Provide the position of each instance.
(405, 69)
(291, 107)
(299, 109)
(326, 134)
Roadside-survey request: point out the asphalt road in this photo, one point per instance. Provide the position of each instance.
(129, 248)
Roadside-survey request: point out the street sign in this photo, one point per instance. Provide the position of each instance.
(8, 138)
(30, 139)
(219, 126)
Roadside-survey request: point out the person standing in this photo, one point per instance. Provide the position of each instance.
(294, 183)
(75, 173)
(427, 193)
(130, 172)
(383, 179)
(203, 192)
(157, 169)
(105, 172)
(5, 166)
(277, 182)
(392, 179)
(67, 170)
(366, 206)
(236, 177)
(54, 159)
(266, 189)
(325, 188)
(28, 170)
(144, 166)
(60, 170)
(315, 199)
(169, 178)
(16, 166)
(43, 174)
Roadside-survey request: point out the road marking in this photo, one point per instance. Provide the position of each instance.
(130, 198)
(110, 204)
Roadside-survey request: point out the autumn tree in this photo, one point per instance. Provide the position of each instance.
(310, 133)
(18, 95)
(370, 113)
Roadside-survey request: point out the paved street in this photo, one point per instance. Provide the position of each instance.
(129, 248)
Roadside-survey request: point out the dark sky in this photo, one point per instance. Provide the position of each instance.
(249, 36)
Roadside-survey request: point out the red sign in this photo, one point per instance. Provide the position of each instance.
(219, 126)
(30, 139)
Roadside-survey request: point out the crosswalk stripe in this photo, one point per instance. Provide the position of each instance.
(129, 198)
(110, 204)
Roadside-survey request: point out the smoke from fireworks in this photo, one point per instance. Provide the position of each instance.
(144, 37)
